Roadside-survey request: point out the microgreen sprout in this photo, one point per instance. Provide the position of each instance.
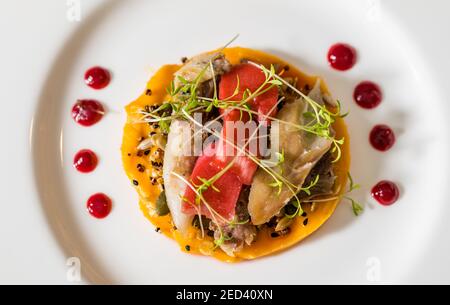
(356, 206)
(322, 117)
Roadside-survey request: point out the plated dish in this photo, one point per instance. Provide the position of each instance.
(205, 187)
(124, 247)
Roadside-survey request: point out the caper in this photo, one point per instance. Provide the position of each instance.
(161, 205)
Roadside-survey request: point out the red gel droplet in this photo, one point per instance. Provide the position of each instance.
(382, 137)
(87, 112)
(385, 192)
(367, 95)
(341, 56)
(99, 205)
(85, 161)
(97, 77)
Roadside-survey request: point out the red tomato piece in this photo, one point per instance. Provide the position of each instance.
(243, 166)
(222, 201)
(248, 77)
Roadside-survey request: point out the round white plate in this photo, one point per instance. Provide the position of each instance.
(385, 244)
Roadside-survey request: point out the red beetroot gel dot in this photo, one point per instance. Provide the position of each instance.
(85, 161)
(99, 205)
(382, 137)
(97, 77)
(341, 56)
(385, 192)
(87, 112)
(367, 95)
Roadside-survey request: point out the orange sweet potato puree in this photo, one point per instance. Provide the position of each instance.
(148, 193)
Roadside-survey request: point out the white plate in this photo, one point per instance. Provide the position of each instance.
(385, 244)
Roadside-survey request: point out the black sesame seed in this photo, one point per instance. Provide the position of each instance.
(304, 214)
(174, 227)
(157, 164)
(305, 222)
(141, 168)
(146, 152)
(148, 92)
(152, 133)
(188, 248)
(158, 229)
(140, 153)
(135, 182)
(286, 68)
(129, 155)
(274, 234)
(184, 59)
